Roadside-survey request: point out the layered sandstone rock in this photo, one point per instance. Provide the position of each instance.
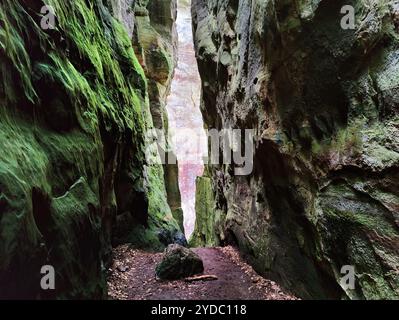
(323, 102)
(155, 43)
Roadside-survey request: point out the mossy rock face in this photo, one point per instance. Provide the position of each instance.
(74, 116)
(156, 49)
(323, 101)
(205, 231)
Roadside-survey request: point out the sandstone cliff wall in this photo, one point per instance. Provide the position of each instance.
(323, 102)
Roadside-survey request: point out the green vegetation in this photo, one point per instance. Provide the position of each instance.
(74, 113)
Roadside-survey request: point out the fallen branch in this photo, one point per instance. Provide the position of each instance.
(201, 278)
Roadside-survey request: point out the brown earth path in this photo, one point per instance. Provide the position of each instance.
(132, 277)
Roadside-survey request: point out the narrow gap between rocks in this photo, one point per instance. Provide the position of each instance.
(135, 274)
(185, 119)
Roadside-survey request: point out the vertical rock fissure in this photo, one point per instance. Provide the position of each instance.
(185, 119)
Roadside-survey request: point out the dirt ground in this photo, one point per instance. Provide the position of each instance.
(132, 277)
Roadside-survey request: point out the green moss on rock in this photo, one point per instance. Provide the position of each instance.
(324, 104)
(74, 113)
(206, 215)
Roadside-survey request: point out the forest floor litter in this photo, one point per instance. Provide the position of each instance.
(132, 277)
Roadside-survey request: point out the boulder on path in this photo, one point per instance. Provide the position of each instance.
(178, 263)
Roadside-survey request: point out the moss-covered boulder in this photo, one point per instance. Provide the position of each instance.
(178, 263)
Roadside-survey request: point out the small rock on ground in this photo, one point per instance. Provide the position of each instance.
(236, 279)
(178, 263)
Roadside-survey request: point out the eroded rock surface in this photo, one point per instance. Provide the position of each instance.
(75, 110)
(323, 102)
(155, 43)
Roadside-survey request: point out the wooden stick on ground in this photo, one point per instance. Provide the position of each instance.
(206, 277)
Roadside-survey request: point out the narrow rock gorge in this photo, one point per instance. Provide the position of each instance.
(323, 102)
(184, 114)
(87, 189)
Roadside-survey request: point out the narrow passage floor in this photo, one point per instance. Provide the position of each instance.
(132, 277)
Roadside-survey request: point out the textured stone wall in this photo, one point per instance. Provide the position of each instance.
(75, 110)
(155, 42)
(323, 102)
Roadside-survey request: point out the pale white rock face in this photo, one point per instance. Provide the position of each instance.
(123, 11)
(185, 119)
